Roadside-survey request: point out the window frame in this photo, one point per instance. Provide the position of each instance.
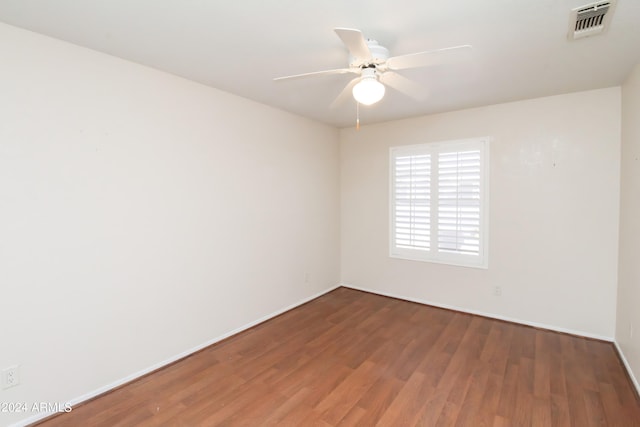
(434, 255)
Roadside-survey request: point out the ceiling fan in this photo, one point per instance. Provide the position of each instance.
(375, 69)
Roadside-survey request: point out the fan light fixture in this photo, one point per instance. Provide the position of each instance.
(368, 90)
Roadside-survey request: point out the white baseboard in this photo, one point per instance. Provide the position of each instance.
(75, 401)
(634, 380)
(484, 314)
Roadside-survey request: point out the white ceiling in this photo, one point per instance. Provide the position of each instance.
(520, 47)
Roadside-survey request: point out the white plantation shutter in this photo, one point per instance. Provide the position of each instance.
(438, 202)
(459, 202)
(412, 185)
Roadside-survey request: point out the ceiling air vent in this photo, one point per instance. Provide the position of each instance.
(590, 19)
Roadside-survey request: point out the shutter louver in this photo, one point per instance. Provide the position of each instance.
(412, 204)
(459, 202)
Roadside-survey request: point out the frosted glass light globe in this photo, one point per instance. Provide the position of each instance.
(368, 90)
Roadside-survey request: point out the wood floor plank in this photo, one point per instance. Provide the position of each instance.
(345, 396)
(377, 399)
(500, 355)
(407, 403)
(353, 417)
(558, 378)
(490, 400)
(431, 411)
(542, 366)
(507, 405)
(541, 412)
(560, 416)
(575, 395)
(595, 409)
(351, 358)
(471, 403)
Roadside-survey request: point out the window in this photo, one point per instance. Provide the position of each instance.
(439, 200)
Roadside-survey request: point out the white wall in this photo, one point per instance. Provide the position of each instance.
(628, 313)
(143, 215)
(554, 204)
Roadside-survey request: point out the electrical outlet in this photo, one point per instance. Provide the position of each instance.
(497, 291)
(10, 377)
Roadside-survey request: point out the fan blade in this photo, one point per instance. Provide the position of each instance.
(404, 85)
(319, 73)
(428, 58)
(355, 42)
(345, 94)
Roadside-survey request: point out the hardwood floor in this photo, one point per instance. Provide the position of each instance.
(351, 358)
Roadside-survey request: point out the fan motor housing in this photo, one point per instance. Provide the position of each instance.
(379, 55)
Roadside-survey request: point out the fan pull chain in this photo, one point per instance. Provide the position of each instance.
(357, 115)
